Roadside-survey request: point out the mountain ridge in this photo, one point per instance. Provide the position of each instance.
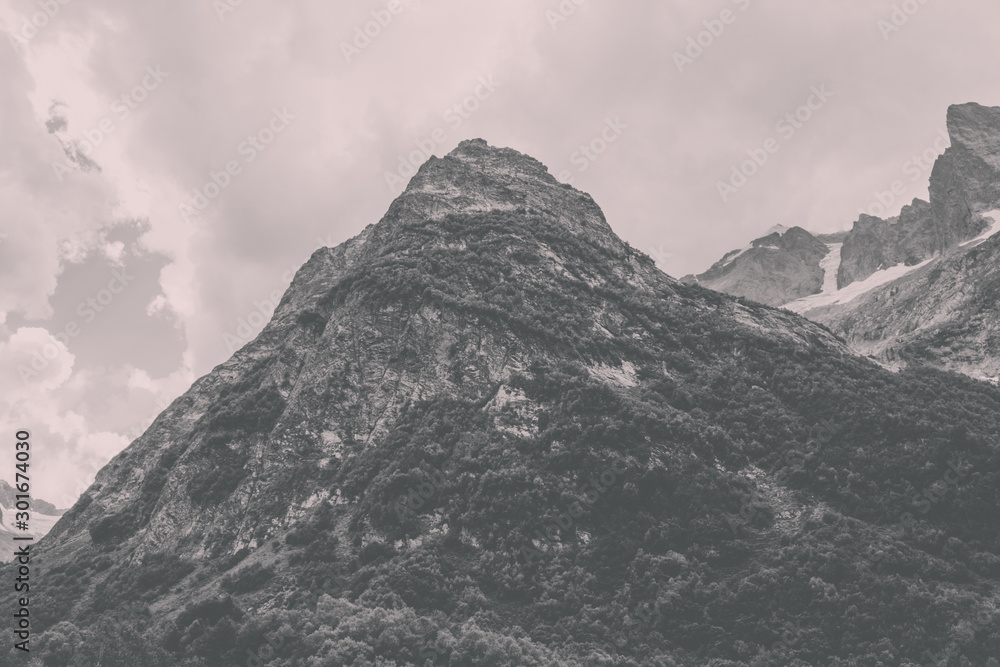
(433, 399)
(774, 269)
(877, 255)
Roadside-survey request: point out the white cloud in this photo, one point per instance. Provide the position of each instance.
(37, 359)
(114, 251)
(157, 305)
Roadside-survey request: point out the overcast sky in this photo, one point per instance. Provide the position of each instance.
(122, 292)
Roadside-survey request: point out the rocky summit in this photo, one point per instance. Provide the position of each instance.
(487, 431)
(777, 268)
(919, 287)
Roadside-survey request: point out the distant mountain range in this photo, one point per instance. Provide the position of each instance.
(921, 287)
(487, 431)
(43, 515)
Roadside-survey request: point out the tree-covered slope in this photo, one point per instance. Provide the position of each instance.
(488, 432)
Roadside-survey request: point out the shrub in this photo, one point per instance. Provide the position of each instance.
(248, 579)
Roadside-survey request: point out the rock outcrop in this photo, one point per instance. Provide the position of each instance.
(965, 182)
(935, 314)
(944, 314)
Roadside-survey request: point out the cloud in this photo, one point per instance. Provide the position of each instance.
(83, 85)
(74, 435)
(37, 358)
(38, 210)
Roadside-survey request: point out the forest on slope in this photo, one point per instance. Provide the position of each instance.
(760, 498)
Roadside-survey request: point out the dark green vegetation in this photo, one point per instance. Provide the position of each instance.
(828, 572)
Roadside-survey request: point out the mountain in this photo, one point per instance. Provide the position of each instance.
(777, 268)
(916, 288)
(942, 312)
(43, 515)
(487, 431)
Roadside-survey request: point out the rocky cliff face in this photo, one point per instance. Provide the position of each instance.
(943, 314)
(965, 182)
(875, 244)
(355, 340)
(510, 439)
(897, 315)
(774, 269)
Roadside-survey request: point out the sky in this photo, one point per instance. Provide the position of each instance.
(166, 167)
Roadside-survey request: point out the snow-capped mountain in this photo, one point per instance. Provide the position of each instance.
(918, 287)
(43, 515)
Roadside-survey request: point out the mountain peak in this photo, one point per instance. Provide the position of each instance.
(976, 128)
(478, 178)
(476, 158)
(791, 251)
(403, 450)
(473, 148)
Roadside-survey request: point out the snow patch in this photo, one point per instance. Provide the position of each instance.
(735, 254)
(831, 266)
(38, 524)
(854, 290)
(993, 229)
(732, 255)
